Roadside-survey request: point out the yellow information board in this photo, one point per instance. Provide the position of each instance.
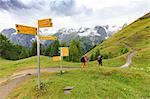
(21, 29)
(47, 37)
(64, 51)
(45, 23)
(56, 58)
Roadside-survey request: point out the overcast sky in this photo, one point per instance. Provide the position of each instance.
(71, 13)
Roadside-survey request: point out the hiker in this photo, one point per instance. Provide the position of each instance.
(84, 61)
(99, 60)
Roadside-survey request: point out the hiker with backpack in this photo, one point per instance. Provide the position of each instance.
(99, 60)
(84, 60)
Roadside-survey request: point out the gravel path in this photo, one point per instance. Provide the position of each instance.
(129, 60)
(8, 84)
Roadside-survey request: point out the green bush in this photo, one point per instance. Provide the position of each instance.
(105, 56)
(124, 50)
(92, 58)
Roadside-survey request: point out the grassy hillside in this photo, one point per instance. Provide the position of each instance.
(94, 83)
(141, 61)
(135, 36)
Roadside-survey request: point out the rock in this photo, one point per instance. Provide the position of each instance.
(67, 90)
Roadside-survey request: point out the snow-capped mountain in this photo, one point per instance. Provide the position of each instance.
(87, 36)
(111, 29)
(20, 39)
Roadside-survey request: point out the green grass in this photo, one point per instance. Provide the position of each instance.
(113, 62)
(8, 67)
(141, 61)
(94, 83)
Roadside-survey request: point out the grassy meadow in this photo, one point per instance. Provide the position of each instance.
(94, 83)
(8, 67)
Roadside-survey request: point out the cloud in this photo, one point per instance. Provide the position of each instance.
(67, 8)
(12, 4)
(54, 7)
(29, 11)
(71, 13)
(121, 13)
(64, 7)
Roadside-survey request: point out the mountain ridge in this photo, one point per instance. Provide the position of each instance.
(98, 33)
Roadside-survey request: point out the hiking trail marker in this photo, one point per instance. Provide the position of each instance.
(47, 37)
(56, 58)
(45, 23)
(22, 29)
(64, 51)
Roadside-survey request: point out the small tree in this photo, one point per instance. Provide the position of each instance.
(97, 53)
(47, 51)
(34, 48)
(42, 49)
(24, 53)
(63, 44)
(124, 50)
(75, 51)
(92, 57)
(54, 48)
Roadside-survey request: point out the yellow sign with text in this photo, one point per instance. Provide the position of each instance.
(56, 58)
(45, 23)
(64, 51)
(47, 37)
(21, 29)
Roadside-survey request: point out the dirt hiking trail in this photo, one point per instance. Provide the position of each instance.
(8, 84)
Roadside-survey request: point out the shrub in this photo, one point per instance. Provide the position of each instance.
(92, 57)
(105, 56)
(124, 50)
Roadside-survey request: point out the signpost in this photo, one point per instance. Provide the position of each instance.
(21, 29)
(38, 59)
(45, 23)
(47, 37)
(56, 58)
(64, 51)
(41, 23)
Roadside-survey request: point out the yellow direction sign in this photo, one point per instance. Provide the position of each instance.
(47, 37)
(56, 58)
(45, 23)
(21, 29)
(64, 51)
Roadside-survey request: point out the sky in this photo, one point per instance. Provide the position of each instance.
(71, 13)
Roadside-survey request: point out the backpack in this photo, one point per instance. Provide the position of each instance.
(82, 59)
(99, 58)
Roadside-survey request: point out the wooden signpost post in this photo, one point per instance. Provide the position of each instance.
(21, 29)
